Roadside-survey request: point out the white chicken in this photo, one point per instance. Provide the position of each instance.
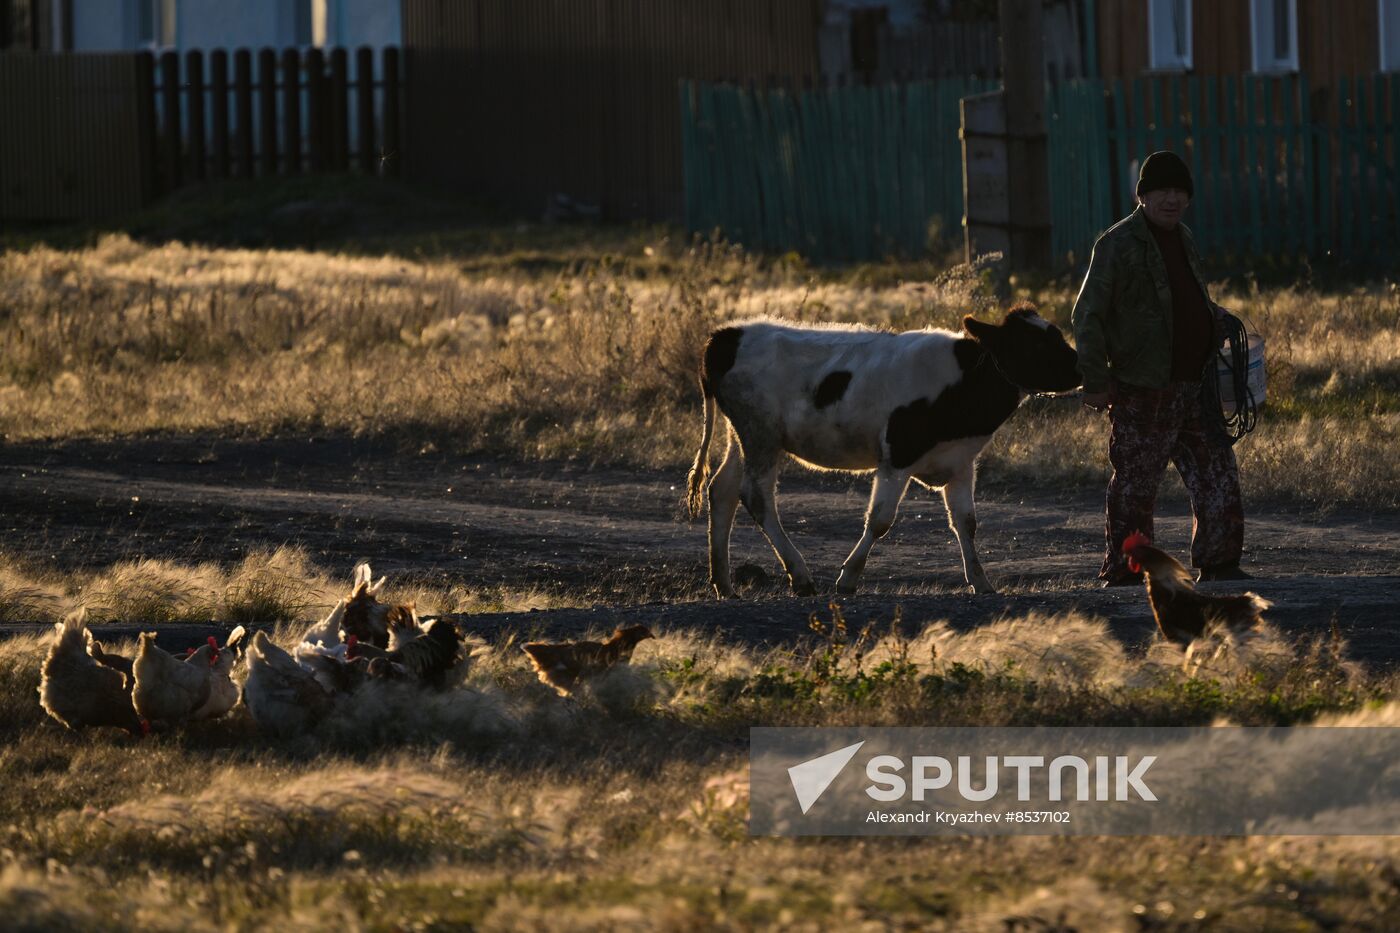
(168, 689)
(79, 692)
(323, 637)
(283, 697)
(223, 692)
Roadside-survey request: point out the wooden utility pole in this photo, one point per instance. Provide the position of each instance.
(1028, 172)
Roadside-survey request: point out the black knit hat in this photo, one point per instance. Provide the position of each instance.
(1164, 169)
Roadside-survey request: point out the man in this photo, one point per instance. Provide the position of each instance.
(1145, 329)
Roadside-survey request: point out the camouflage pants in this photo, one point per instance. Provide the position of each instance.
(1150, 427)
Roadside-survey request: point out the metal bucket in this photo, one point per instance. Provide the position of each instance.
(1255, 379)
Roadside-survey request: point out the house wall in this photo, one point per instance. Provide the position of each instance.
(101, 27)
(353, 23)
(111, 25)
(1335, 38)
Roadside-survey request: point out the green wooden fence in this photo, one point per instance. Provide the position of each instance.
(832, 173)
(1081, 203)
(867, 172)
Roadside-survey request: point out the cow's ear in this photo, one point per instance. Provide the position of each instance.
(978, 330)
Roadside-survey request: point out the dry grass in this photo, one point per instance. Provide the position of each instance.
(594, 361)
(277, 585)
(498, 806)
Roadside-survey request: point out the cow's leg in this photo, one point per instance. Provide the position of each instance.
(724, 502)
(758, 492)
(962, 516)
(885, 495)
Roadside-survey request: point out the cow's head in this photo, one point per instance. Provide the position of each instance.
(1028, 350)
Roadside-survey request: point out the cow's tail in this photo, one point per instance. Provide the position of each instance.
(700, 469)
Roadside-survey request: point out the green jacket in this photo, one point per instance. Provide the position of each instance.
(1123, 315)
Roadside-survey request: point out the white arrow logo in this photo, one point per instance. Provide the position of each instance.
(811, 778)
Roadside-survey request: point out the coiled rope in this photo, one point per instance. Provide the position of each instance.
(1243, 419)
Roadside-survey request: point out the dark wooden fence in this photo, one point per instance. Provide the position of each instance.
(71, 139)
(92, 134)
(519, 101)
(288, 112)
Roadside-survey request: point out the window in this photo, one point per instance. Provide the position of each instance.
(1169, 35)
(145, 24)
(1390, 35)
(1274, 24)
(309, 26)
(155, 24)
(169, 34)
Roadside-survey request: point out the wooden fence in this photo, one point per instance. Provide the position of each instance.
(516, 102)
(852, 172)
(857, 173)
(277, 113)
(1271, 179)
(92, 134)
(72, 144)
(1081, 198)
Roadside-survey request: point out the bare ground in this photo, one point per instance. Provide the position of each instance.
(612, 538)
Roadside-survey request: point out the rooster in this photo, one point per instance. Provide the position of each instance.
(365, 616)
(426, 658)
(1182, 613)
(563, 666)
(283, 697)
(78, 691)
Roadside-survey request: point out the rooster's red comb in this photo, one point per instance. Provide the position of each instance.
(1134, 541)
(213, 643)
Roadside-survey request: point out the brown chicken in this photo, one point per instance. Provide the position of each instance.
(117, 662)
(1182, 613)
(78, 691)
(564, 666)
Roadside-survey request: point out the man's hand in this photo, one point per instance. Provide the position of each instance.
(1098, 401)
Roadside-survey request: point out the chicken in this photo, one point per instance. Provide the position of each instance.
(77, 690)
(563, 666)
(324, 634)
(365, 616)
(403, 625)
(426, 659)
(223, 692)
(168, 689)
(117, 662)
(283, 697)
(1182, 613)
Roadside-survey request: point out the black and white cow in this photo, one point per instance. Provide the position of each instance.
(917, 405)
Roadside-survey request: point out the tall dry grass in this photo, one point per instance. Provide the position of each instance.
(270, 585)
(596, 361)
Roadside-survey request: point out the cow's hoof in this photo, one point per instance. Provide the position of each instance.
(804, 589)
(725, 592)
(985, 589)
(846, 589)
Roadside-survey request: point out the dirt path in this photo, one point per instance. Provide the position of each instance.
(611, 537)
